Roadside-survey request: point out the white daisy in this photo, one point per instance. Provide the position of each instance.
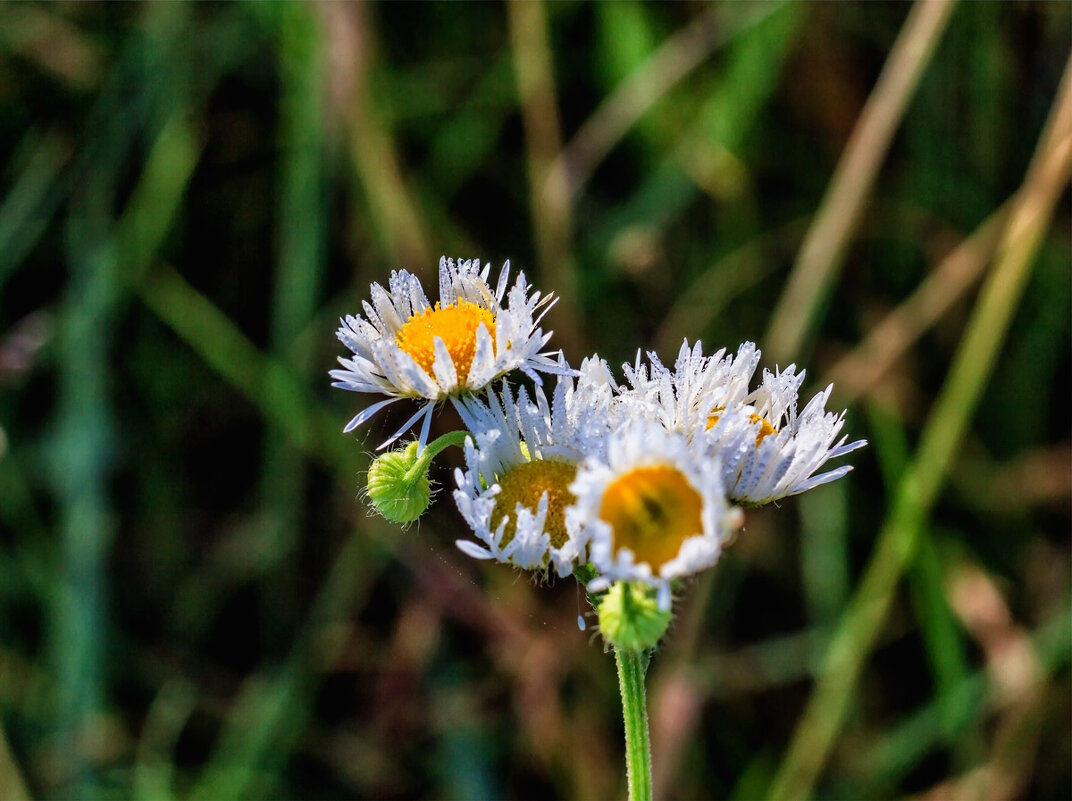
(405, 347)
(683, 399)
(652, 509)
(520, 463)
(767, 450)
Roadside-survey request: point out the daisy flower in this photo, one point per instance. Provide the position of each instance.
(708, 397)
(768, 451)
(520, 461)
(406, 347)
(652, 509)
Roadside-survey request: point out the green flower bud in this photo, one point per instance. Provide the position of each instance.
(630, 617)
(398, 485)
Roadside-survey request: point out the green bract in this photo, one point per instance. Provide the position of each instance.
(398, 485)
(630, 618)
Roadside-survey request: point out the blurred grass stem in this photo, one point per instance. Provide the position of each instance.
(298, 278)
(12, 785)
(33, 199)
(862, 622)
(676, 58)
(824, 246)
(266, 383)
(378, 166)
(84, 443)
(858, 371)
(549, 192)
(646, 85)
(275, 705)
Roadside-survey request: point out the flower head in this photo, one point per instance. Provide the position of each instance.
(520, 464)
(651, 509)
(406, 347)
(769, 451)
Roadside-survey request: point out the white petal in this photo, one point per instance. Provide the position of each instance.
(482, 370)
(470, 548)
(426, 409)
(366, 414)
(425, 427)
(385, 307)
(443, 367)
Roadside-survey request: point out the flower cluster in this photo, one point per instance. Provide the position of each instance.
(631, 486)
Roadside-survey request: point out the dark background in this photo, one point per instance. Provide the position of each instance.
(194, 600)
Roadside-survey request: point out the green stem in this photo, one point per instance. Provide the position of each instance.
(433, 449)
(455, 438)
(632, 667)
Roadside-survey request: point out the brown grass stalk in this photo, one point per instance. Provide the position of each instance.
(821, 255)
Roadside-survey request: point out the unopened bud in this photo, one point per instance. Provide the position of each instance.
(630, 617)
(398, 485)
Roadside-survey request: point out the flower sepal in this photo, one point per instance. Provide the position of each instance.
(630, 617)
(398, 484)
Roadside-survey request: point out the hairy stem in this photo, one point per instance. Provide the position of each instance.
(632, 667)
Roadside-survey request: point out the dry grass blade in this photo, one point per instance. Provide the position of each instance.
(677, 57)
(858, 630)
(52, 43)
(668, 65)
(718, 285)
(858, 371)
(824, 247)
(543, 138)
(378, 166)
(1019, 685)
(12, 785)
(1039, 477)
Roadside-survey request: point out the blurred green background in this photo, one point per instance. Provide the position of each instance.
(194, 601)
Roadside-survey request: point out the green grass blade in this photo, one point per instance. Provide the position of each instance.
(918, 488)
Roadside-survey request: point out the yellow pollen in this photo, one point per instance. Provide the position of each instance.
(526, 484)
(456, 325)
(652, 511)
(765, 428)
(714, 417)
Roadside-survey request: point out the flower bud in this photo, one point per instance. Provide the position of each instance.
(398, 485)
(630, 617)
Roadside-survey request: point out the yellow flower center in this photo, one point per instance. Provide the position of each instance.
(765, 428)
(652, 511)
(526, 484)
(456, 325)
(714, 417)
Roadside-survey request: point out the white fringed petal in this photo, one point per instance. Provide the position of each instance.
(509, 431)
(636, 444)
(783, 463)
(700, 388)
(379, 365)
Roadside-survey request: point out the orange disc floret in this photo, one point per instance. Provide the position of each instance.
(652, 511)
(714, 417)
(456, 325)
(526, 484)
(765, 428)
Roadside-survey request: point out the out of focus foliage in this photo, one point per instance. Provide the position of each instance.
(193, 600)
